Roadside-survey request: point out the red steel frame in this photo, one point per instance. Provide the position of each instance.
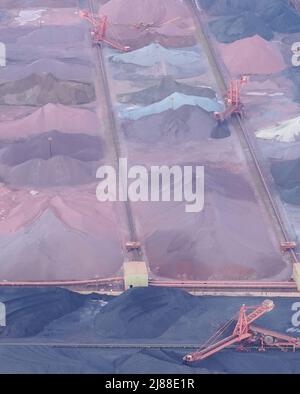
(244, 332)
(99, 30)
(233, 99)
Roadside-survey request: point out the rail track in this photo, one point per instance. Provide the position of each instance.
(230, 288)
(139, 346)
(229, 285)
(64, 283)
(101, 345)
(115, 143)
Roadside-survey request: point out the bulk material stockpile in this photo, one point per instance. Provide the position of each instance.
(174, 101)
(287, 131)
(188, 123)
(252, 55)
(50, 151)
(146, 315)
(154, 61)
(65, 119)
(243, 18)
(37, 90)
(51, 144)
(287, 176)
(170, 121)
(255, 38)
(166, 87)
(172, 23)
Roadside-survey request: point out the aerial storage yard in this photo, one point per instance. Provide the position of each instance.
(86, 85)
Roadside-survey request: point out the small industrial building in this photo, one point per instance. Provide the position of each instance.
(135, 274)
(296, 274)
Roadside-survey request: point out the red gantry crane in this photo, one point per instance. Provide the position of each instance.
(245, 333)
(99, 30)
(233, 104)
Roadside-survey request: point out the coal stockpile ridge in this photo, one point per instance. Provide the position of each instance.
(171, 126)
(56, 171)
(174, 101)
(143, 313)
(292, 196)
(221, 130)
(286, 173)
(28, 311)
(293, 74)
(172, 315)
(264, 8)
(239, 19)
(163, 89)
(45, 146)
(37, 90)
(233, 28)
(287, 176)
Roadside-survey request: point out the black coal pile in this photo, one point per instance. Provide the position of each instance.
(233, 28)
(287, 177)
(292, 196)
(245, 18)
(143, 313)
(28, 311)
(225, 7)
(163, 89)
(221, 130)
(286, 173)
(171, 126)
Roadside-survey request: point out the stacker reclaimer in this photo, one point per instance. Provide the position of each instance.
(233, 103)
(246, 335)
(99, 30)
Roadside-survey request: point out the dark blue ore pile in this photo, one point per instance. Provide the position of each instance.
(145, 315)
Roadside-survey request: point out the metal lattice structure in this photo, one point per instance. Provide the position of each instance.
(233, 103)
(98, 32)
(245, 334)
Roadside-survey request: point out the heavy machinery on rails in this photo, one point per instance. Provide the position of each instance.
(245, 334)
(98, 32)
(233, 103)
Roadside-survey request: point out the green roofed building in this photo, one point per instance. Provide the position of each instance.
(135, 274)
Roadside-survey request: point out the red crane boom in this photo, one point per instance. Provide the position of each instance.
(233, 99)
(295, 4)
(99, 30)
(245, 332)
